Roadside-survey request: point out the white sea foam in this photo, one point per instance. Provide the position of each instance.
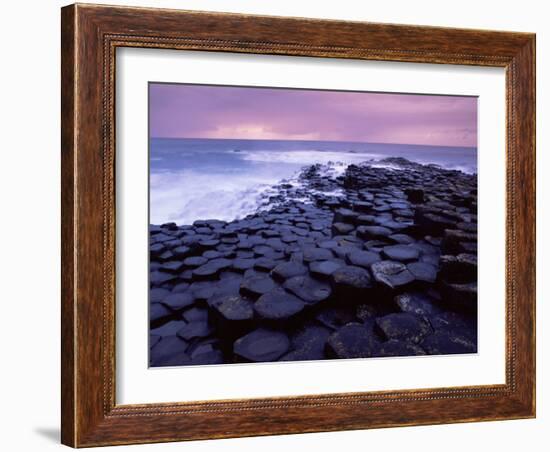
(308, 157)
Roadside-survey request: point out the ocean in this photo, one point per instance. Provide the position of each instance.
(193, 179)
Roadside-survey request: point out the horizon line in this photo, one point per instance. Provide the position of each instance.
(314, 141)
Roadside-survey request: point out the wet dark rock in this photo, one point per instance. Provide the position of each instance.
(459, 269)
(195, 314)
(156, 295)
(417, 303)
(353, 341)
(402, 253)
(335, 317)
(415, 195)
(342, 228)
(351, 281)
(278, 305)
(195, 261)
(445, 342)
(395, 347)
(158, 312)
(373, 232)
(255, 286)
(170, 351)
(206, 354)
(324, 269)
(317, 254)
(158, 278)
(178, 301)
(288, 270)
(365, 312)
(195, 329)
(391, 274)
(460, 296)
(262, 345)
(310, 290)
(403, 326)
(402, 239)
(235, 308)
(243, 264)
(423, 271)
(362, 258)
(169, 328)
(308, 343)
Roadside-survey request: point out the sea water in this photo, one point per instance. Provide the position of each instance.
(193, 179)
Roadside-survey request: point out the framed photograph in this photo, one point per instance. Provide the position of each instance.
(282, 225)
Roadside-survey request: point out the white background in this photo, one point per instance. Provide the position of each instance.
(137, 384)
(30, 201)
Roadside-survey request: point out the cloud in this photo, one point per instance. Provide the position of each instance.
(201, 111)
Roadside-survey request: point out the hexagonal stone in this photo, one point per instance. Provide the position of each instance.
(235, 308)
(353, 340)
(158, 278)
(169, 328)
(287, 270)
(362, 258)
(243, 264)
(448, 342)
(262, 345)
(158, 312)
(310, 290)
(373, 232)
(178, 301)
(324, 269)
(278, 305)
(157, 294)
(317, 254)
(198, 328)
(417, 303)
(423, 271)
(391, 274)
(257, 285)
(351, 277)
(206, 354)
(460, 296)
(265, 264)
(342, 228)
(195, 261)
(170, 351)
(194, 314)
(394, 347)
(403, 326)
(402, 239)
(402, 253)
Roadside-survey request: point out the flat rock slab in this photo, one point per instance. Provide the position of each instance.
(262, 345)
(278, 305)
(423, 271)
(158, 312)
(288, 270)
(170, 351)
(391, 274)
(235, 308)
(448, 342)
(403, 326)
(351, 277)
(324, 269)
(373, 232)
(198, 328)
(394, 347)
(169, 328)
(353, 341)
(257, 285)
(317, 254)
(402, 253)
(362, 258)
(178, 301)
(157, 294)
(417, 303)
(310, 290)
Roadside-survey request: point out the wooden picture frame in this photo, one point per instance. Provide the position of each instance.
(90, 36)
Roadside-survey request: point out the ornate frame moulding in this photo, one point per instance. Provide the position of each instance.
(90, 36)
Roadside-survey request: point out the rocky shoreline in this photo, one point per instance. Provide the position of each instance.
(378, 261)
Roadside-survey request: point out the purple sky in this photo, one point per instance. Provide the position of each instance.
(195, 111)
